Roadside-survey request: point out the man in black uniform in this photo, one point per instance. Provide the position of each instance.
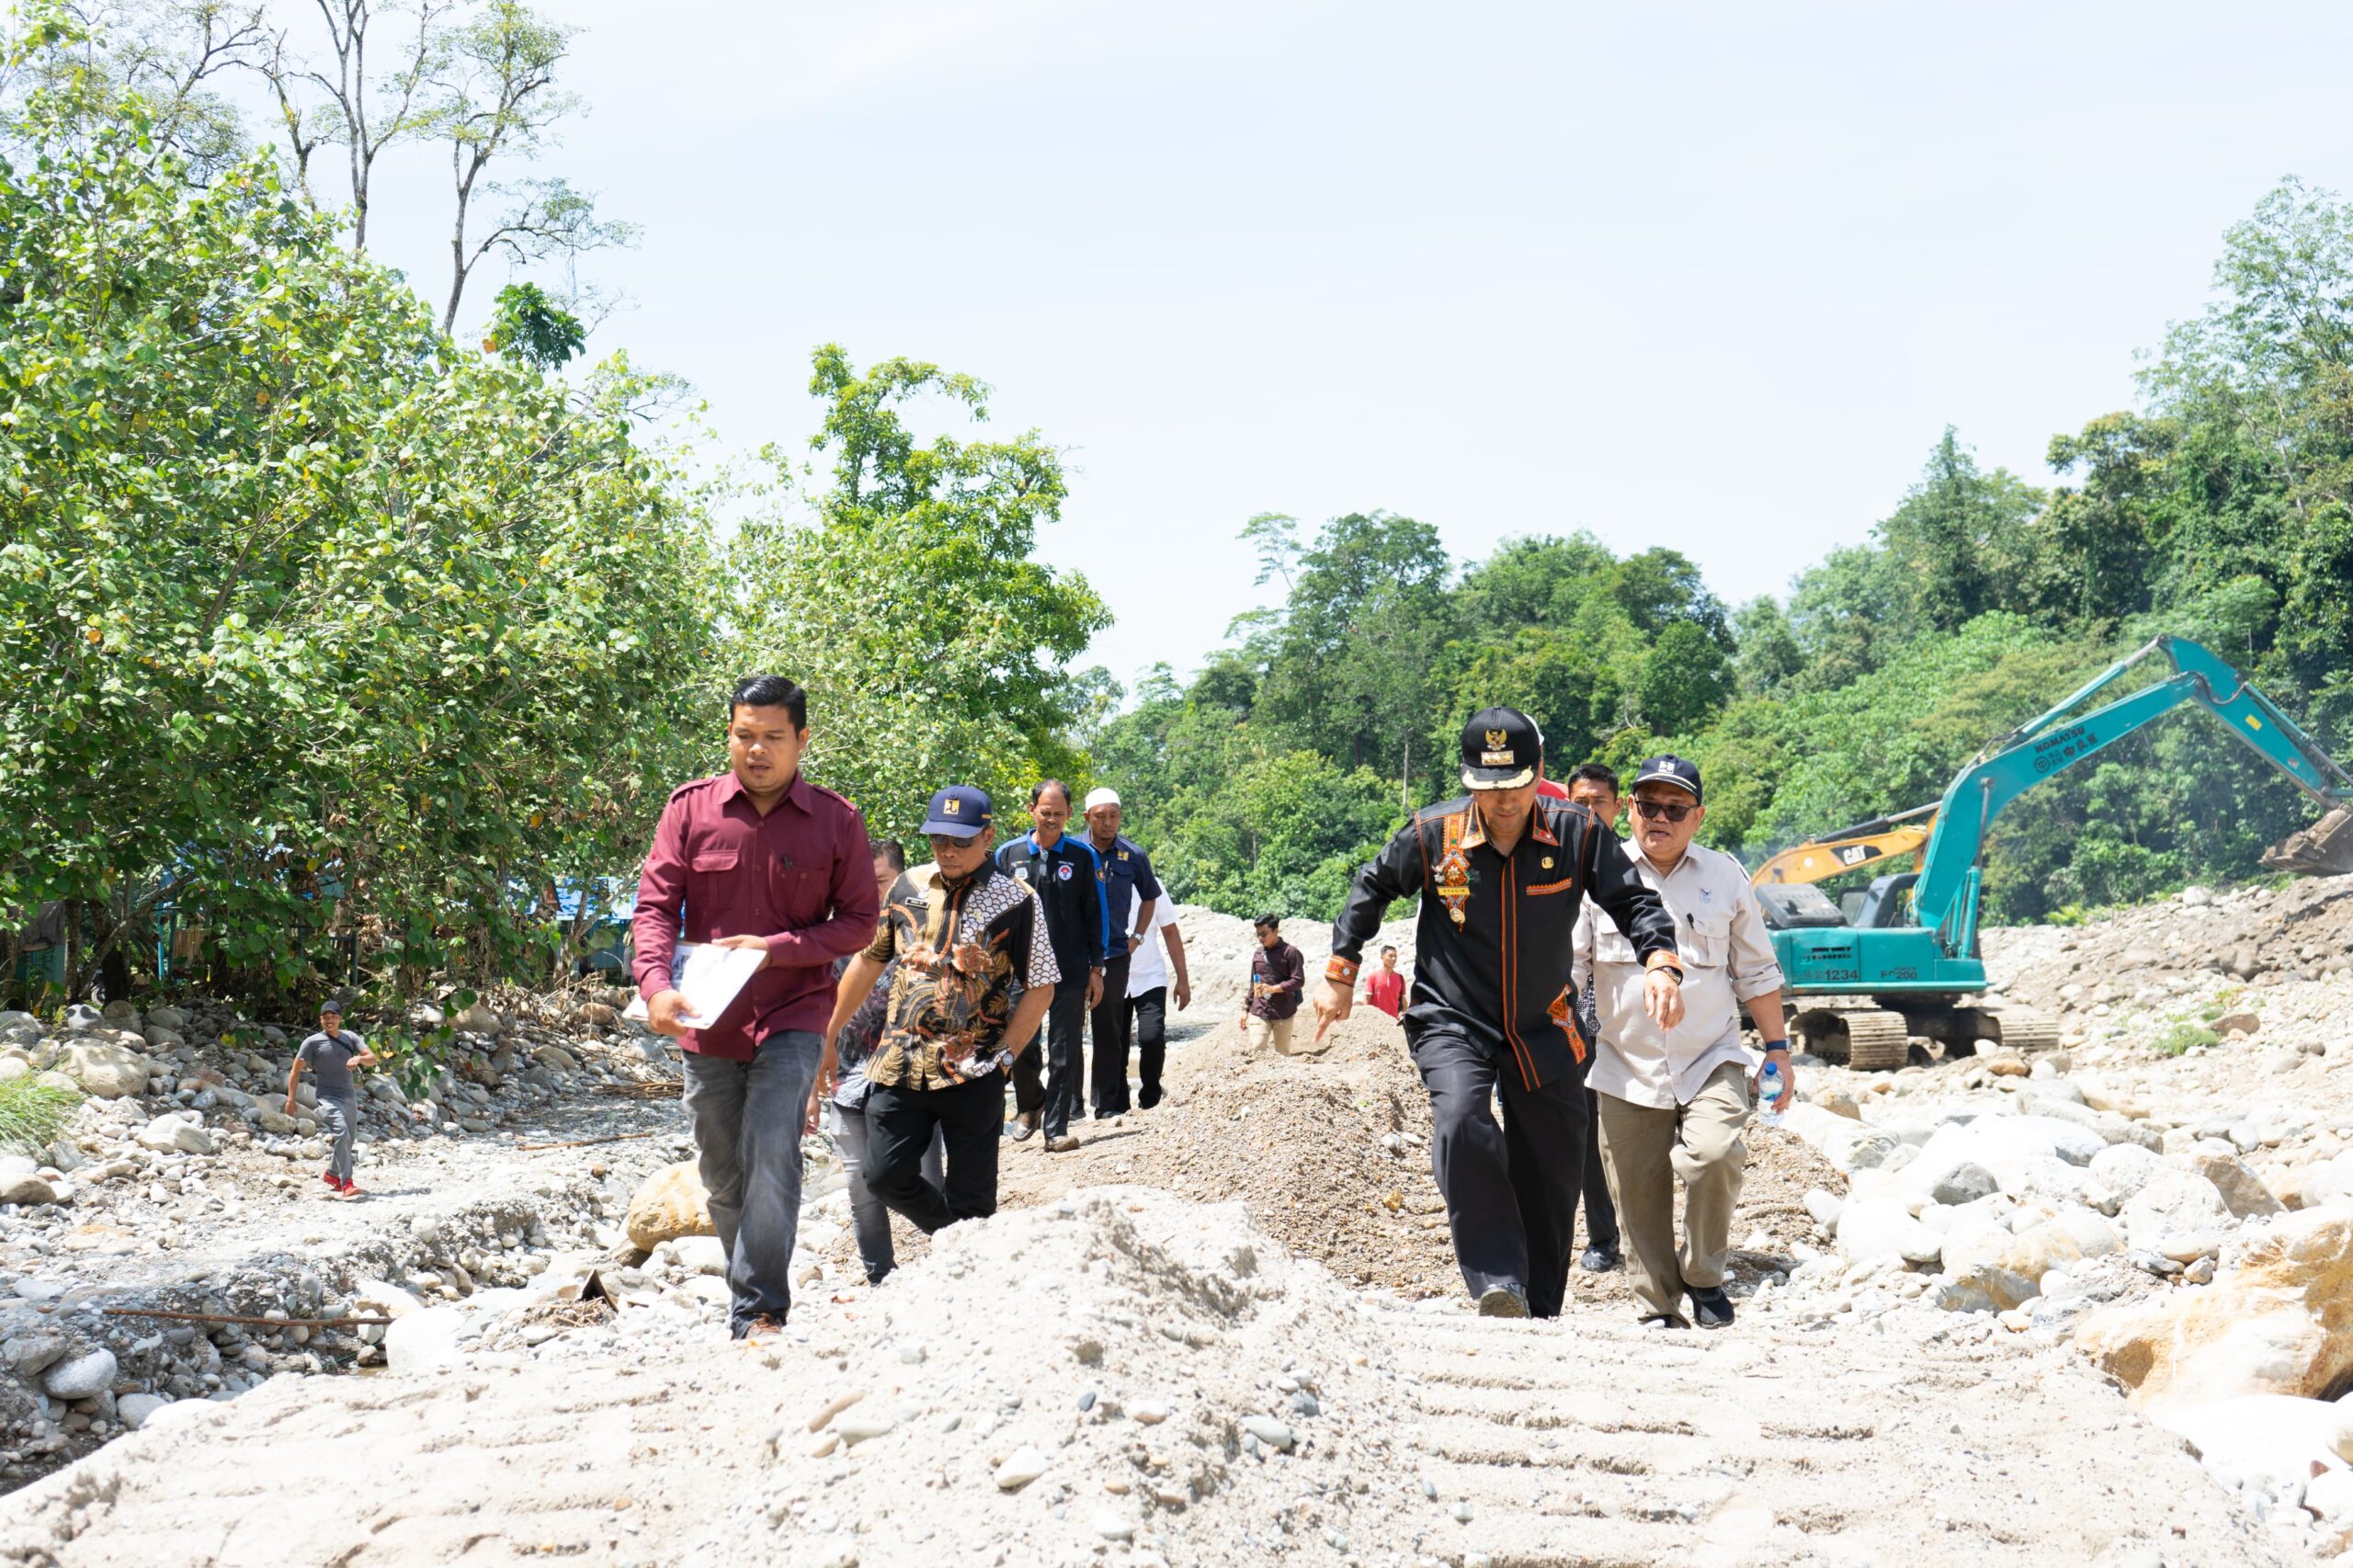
(1502, 875)
(1063, 871)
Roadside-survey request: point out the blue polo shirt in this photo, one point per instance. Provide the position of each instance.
(1127, 882)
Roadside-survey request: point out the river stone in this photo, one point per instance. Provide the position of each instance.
(167, 1133)
(1269, 1431)
(80, 1377)
(2172, 1202)
(479, 1019)
(671, 1203)
(1879, 1227)
(1022, 1467)
(867, 1419)
(21, 1182)
(2279, 1322)
(2124, 1168)
(555, 1058)
(2243, 1191)
(104, 1070)
(133, 1409)
(1964, 1183)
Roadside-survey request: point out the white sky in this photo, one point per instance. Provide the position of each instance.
(1712, 274)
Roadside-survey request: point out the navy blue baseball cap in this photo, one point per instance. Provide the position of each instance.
(959, 811)
(1671, 769)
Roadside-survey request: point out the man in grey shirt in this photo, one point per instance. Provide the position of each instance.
(332, 1053)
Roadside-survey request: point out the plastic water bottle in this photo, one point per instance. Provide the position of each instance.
(1768, 1089)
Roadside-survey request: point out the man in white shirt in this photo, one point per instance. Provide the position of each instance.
(1155, 955)
(1673, 1102)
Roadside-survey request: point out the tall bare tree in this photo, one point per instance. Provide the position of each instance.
(497, 76)
(343, 97)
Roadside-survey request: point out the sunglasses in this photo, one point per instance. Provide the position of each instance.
(1657, 809)
(949, 841)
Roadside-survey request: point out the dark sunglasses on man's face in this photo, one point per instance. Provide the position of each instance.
(944, 841)
(1662, 808)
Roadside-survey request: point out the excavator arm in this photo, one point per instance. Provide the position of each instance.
(1945, 899)
(1850, 849)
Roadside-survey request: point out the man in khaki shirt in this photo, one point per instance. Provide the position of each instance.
(1673, 1101)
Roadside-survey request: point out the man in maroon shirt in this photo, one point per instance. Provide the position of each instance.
(755, 857)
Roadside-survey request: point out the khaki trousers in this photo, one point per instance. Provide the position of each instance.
(1264, 1032)
(1646, 1150)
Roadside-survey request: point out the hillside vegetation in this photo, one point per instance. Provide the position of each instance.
(2218, 510)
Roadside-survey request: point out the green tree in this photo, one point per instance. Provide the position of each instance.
(307, 618)
(910, 605)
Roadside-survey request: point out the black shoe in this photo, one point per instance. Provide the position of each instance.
(1710, 1308)
(1600, 1259)
(1148, 1097)
(1502, 1301)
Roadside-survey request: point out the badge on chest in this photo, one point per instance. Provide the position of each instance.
(1454, 873)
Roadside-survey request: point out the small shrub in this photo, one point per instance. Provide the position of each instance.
(2180, 1035)
(32, 1114)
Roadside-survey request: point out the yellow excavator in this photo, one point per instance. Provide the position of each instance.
(1852, 848)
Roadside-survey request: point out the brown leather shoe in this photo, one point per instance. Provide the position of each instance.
(759, 1328)
(1025, 1123)
(1062, 1145)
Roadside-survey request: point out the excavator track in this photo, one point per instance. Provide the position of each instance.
(1865, 1038)
(2027, 1029)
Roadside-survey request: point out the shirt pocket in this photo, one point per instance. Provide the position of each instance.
(1703, 938)
(715, 859)
(797, 892)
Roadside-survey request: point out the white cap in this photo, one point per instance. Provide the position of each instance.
(1102, 795)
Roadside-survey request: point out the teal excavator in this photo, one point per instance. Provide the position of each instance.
(1904, 961)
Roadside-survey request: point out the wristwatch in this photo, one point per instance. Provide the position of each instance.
(1772, 1045)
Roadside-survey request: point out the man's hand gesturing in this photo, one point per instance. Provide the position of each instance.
(1663, 997)
(1333, 1000)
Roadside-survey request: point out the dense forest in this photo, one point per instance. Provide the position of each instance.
(351, 627)
(2220, 510)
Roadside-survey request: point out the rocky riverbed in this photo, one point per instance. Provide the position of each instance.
(2043, 1289)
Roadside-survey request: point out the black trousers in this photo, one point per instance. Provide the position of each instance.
(1108, 1071)
(1511, 1192)
(970, 1120)
(1148, 1026)
(1600, 1213)
(1065, 1097)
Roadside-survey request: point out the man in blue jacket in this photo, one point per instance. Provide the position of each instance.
(1065, 874)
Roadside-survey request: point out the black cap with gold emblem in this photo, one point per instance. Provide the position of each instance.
(1501, 747)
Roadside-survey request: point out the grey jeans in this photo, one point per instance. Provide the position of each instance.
(867, 1218)
(338, 1119)
(747, 1117)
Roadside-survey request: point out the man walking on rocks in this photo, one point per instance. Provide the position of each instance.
(976, 975)
(1156, 969)
(1674, 1095)
(756, 858)
(1595, 787)
(1130, 891)
(1502, 876)
(332, 1053)
(1277, 976)
(1065, 874)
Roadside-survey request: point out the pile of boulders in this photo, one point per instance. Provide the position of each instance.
(2047, 1208)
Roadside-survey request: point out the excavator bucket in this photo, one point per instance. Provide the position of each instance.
(2324, 849)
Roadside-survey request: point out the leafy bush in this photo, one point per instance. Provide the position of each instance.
(33, 1113)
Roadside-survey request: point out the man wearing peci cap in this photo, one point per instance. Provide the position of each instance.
(976, 973)
(1129, 894)
(1673, 1095)
(1502, 874)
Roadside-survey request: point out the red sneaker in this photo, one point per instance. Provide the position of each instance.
(332, 1180)
(351, 1189)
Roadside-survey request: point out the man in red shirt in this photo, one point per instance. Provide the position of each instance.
(1385, 988)
(755, 857)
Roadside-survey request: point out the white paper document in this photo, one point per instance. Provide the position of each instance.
(708, 976)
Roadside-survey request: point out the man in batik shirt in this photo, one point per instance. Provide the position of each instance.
(976, 972)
